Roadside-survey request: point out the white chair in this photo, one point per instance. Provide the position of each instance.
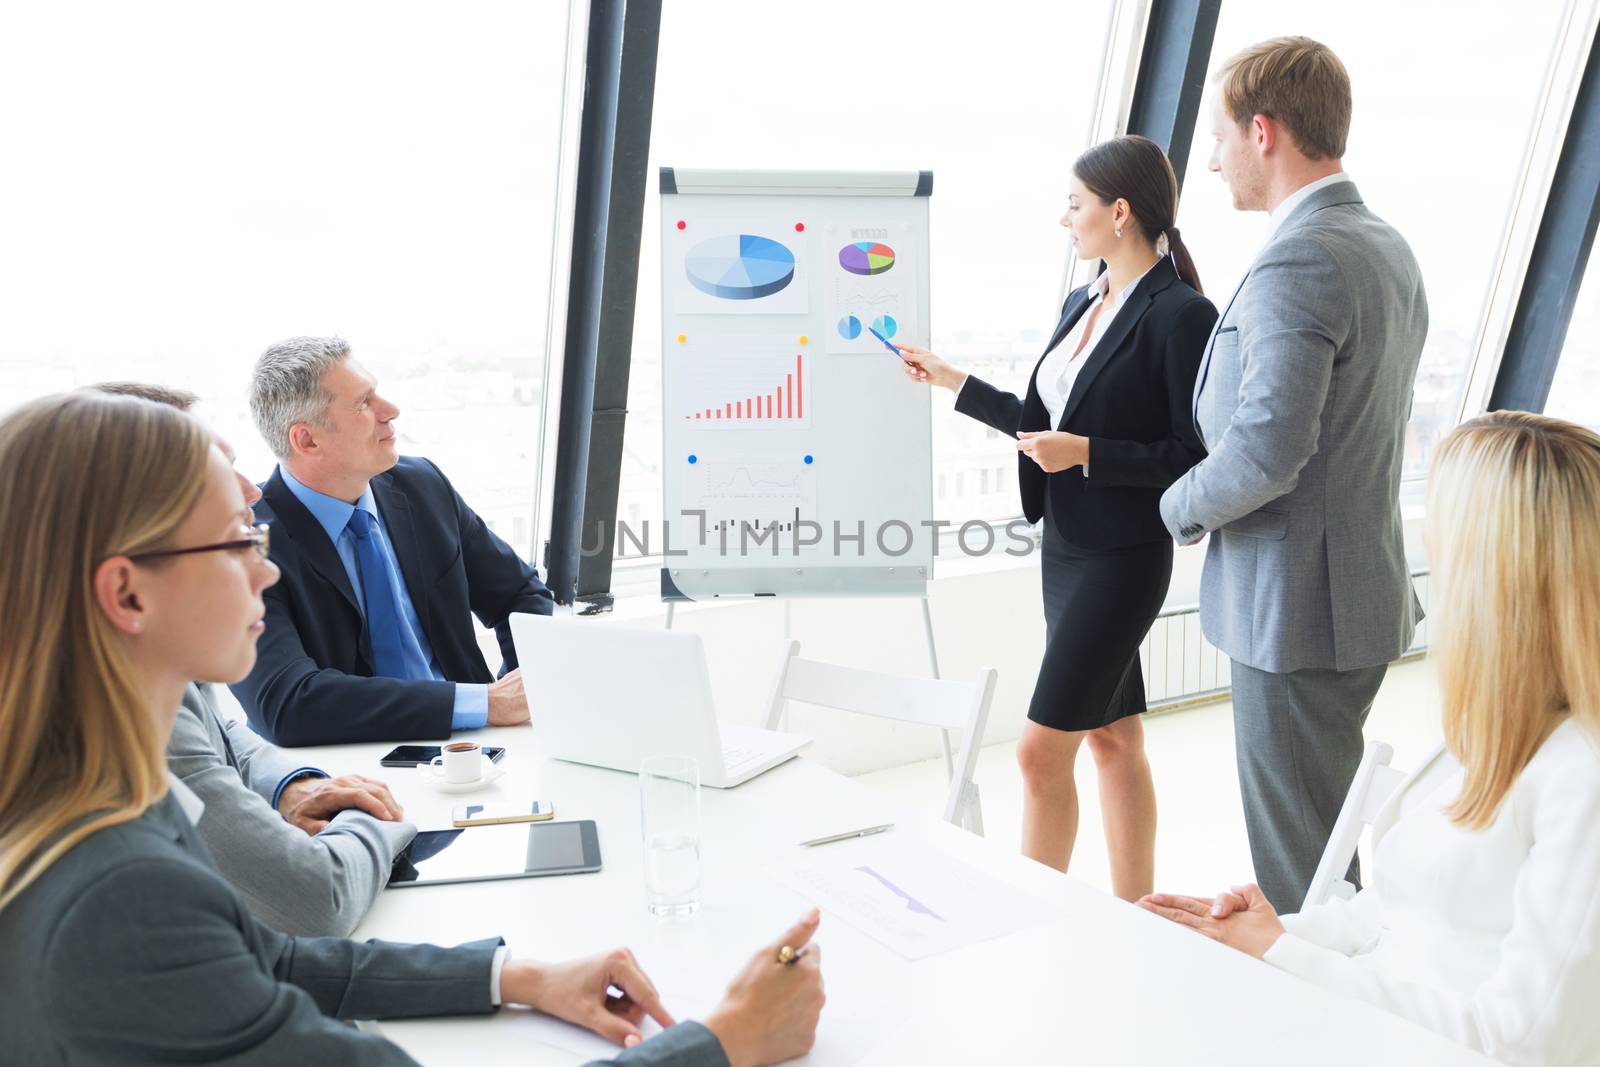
(1375, 782)
(949, 705)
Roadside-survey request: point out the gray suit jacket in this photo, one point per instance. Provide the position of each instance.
(314, 886)
(132, 949)
(1302, 400)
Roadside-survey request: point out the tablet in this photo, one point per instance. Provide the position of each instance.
(489, 853)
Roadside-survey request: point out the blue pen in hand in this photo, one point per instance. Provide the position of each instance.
(887, 345)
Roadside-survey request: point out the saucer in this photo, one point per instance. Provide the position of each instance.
(491, 772)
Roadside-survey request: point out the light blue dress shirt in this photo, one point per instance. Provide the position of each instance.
(471, 709)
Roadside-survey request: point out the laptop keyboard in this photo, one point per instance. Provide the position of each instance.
(735, 758)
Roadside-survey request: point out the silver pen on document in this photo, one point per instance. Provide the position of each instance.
(864, 832)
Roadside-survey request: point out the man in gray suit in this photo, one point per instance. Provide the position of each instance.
(1302, 400)
(309, 853)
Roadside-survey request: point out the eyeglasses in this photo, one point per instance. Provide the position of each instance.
(258, 539)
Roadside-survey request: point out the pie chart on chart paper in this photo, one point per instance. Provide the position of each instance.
(740, 266)
(866, 258)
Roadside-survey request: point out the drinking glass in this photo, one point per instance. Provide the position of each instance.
(669, 803)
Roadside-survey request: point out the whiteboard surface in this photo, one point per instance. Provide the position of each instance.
(796, 454)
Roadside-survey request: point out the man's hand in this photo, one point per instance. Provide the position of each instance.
(308, 803)
(507, 704)
(579, 991)
(1053, 450)
(1241, 919)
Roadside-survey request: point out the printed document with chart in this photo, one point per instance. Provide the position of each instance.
(910, 896)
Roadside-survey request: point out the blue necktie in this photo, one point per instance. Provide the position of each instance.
(383, 608)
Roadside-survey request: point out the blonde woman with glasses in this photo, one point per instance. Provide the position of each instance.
(1482, 921)
(126, 570)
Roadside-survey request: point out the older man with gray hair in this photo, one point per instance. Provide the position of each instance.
(368, 635)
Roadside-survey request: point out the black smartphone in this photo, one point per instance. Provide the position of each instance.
(414, 755)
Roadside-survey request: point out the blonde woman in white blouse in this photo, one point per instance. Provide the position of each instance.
(1482, 920)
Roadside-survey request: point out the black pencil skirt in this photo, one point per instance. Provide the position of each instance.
(1098, 606)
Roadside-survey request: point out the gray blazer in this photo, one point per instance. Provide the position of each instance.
(313, 886)
(132, 949)
(1302, 400)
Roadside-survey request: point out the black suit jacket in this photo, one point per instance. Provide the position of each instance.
(1133, 399)
(312, 683)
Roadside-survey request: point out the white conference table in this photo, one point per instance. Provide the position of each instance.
(1101, 982)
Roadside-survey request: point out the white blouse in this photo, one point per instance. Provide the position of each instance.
(1492, 937)
(1059, 370)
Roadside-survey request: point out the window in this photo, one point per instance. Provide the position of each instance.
(189, 182)
(997, 107)
(1437, 147)
(1575, 393)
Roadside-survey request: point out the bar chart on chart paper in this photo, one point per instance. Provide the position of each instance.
(745, 388)
(761, 497)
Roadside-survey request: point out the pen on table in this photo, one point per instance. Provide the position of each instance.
(887, 344)
(864, 832)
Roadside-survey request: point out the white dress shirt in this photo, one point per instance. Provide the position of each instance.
(1296, 198)
(193, 808)
(1059, 371)
(1275, 223)
(1491, 937)
(188, 800)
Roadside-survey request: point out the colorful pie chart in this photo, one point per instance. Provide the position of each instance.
(739, 266)
(866, 258)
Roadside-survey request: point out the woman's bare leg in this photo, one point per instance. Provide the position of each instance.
(1049, 794)
(1127, 804)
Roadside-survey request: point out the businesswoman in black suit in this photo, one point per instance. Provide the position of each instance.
(1105, 426)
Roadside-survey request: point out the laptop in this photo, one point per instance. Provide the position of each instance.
(609, 696)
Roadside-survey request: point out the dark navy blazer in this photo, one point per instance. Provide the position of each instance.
(312, 683)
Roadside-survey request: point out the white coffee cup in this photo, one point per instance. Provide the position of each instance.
(461, 762)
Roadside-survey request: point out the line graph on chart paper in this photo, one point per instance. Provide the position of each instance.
(766, 494)
(744, 388)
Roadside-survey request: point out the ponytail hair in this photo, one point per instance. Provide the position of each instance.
(1170, 243)
(1135, 169)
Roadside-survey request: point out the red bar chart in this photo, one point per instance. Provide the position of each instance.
(751, 389)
